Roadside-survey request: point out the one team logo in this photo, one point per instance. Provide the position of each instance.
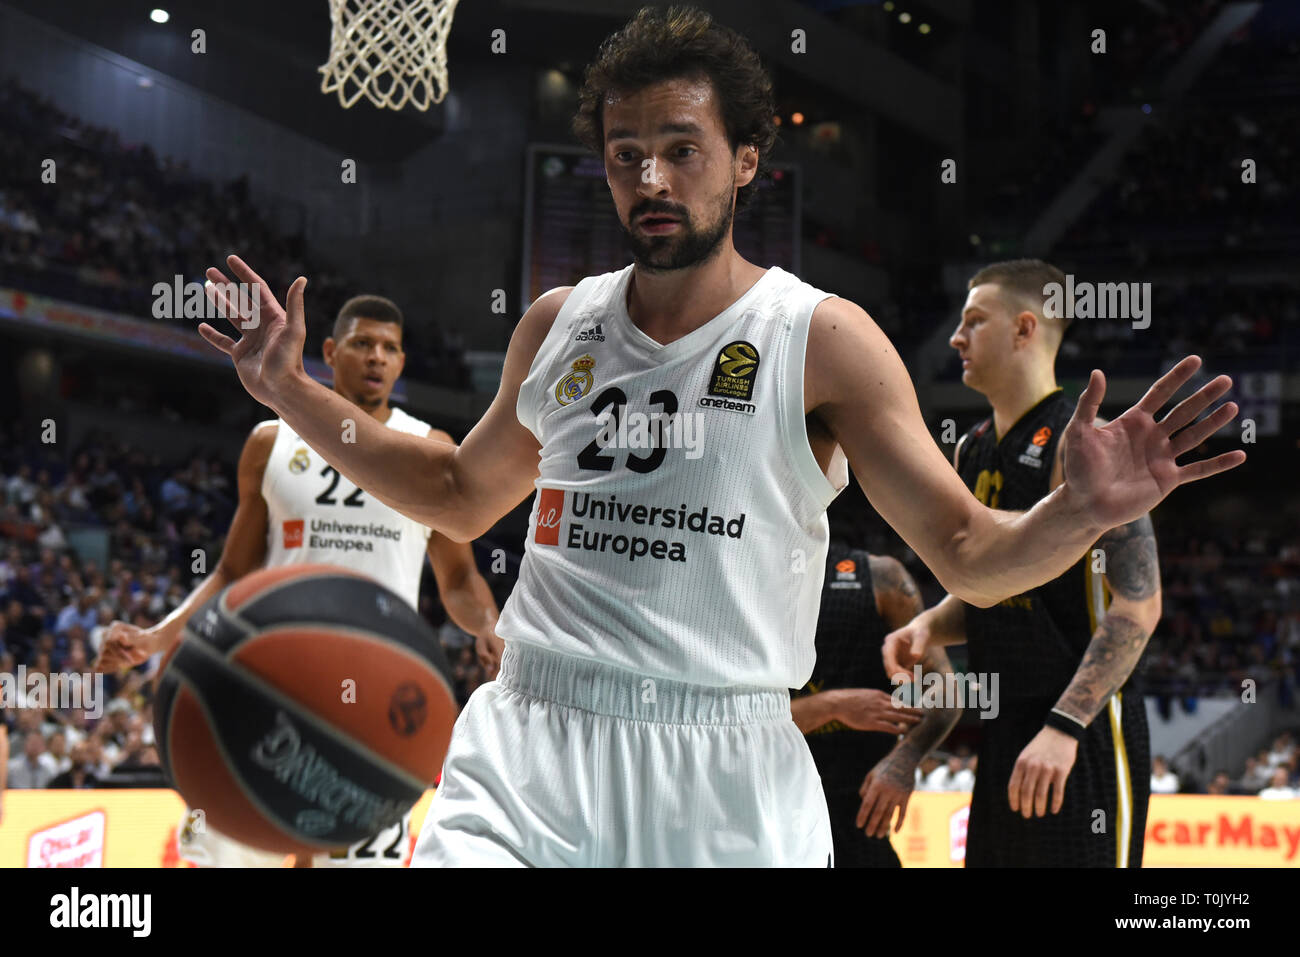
(846, 574)
(734, 372)
(577, 383)
(1033, 455)
(550, 508)
(300, 462)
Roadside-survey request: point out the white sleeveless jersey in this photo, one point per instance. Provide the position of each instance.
(314, 514)
(679, 528)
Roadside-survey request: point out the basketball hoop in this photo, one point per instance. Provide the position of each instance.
(389, 51)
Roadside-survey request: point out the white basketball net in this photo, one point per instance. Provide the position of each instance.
(389, 51)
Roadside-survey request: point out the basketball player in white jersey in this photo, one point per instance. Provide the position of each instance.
(295, 508)
(669, 591)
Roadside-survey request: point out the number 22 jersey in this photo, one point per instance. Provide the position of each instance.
(314, 514)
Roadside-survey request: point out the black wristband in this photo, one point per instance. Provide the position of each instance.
(1065, 724)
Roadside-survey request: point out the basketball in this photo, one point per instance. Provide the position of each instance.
(306, 707)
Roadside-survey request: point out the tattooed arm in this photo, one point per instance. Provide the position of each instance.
(1133, 574)
(889, 784)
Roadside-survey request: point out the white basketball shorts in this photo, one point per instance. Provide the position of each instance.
(565, 762)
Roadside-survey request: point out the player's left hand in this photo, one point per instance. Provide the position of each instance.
(1042, 768)
(887, 786)
(489, 647)
(1123, 469)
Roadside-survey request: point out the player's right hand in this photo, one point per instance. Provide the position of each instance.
(126, 646)
(867, 709)
(268, 353)
(887, 786)
(903, 649)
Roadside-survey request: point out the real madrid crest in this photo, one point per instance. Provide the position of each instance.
(300, 462)
(577, 383)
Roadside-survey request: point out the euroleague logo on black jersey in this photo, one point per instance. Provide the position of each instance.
(732, 379)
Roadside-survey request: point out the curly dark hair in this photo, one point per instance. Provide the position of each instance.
(664, 44)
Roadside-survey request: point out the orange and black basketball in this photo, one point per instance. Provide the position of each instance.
(307, 707)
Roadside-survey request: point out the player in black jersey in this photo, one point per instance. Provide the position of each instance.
(863, 598)
(1070, 736)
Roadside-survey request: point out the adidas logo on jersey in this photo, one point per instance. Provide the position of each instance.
(594, 334)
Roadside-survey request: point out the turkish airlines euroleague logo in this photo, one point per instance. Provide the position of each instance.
(293, 533)
(550, 509)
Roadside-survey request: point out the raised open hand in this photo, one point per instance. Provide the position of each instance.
(1123, 469)
(268, 353)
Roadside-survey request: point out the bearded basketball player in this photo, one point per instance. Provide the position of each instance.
(668, 597)
(293, 507)
(1070, 738)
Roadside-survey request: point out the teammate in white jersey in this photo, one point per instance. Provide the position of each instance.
(682, 422)
(295, 508)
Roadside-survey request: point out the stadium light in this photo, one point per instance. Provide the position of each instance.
(904, 17)
(158, 15)
(796, 119)
(924, 28)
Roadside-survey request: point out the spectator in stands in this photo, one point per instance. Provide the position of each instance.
(1282, 751)
(27, 770)
(951, 776)
(80, 611)
(1279, 788)
(1219, 784)
(82, 772)
(56, 759)
(1255, 777)
(1163, 780)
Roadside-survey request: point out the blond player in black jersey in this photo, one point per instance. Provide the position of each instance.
(1063, 768)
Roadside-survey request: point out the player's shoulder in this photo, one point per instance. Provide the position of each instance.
(263, 436)
(534, 327)
(886, 571)
(835, 313)
(540, 316)
(842, 340)
(257, 450)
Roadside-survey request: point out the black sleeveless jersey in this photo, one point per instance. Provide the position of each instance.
(850, 632)
(1033, 641)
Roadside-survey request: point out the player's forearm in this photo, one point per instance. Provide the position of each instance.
(409, 473)
(1000, 554)
(946, 622)
(935, 725)
(1132, 570)
(1113, 653)
(170, 628)
(471, 606)
(812, 711)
